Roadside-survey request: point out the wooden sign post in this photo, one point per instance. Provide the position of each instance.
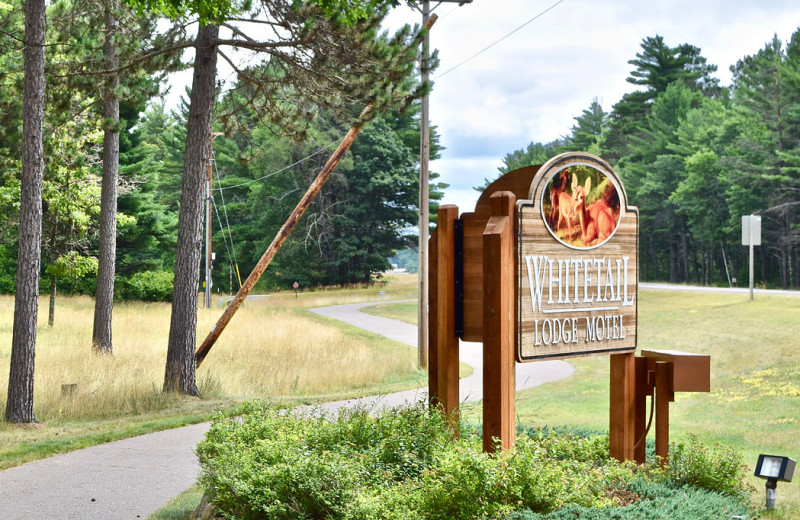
(578, 277)
(545, 268)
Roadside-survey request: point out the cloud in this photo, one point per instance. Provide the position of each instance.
(530, 86)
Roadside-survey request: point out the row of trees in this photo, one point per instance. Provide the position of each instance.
(695, 157)
(313, 65)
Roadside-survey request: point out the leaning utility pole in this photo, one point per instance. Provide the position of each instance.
(424, 203)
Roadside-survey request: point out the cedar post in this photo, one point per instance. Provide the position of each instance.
(664, 395)
(499, 317)
(622, 416)
(446, 339)
(643, 389)
(433, 354)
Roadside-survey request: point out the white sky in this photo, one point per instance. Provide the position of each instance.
(530, 86)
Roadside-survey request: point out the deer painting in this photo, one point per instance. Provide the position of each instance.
(597, 221)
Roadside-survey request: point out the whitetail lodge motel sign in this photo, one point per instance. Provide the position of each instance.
(577, 262)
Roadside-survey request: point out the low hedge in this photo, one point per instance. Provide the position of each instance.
(273, 463)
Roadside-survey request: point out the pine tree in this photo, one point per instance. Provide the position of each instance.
(19, 403)
(328, 54)
(589, 129)
(657, 66)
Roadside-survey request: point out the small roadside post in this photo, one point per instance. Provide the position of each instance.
(751, 236)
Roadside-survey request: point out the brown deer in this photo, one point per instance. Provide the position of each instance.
(597, 221)
(559, 186)
(563, 203)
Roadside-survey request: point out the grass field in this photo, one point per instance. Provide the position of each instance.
(754, 404)
(273, 348)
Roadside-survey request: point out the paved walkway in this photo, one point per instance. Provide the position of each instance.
(127, 479)
(470, 388)
(135, 477)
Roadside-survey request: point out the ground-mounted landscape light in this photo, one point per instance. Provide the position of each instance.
(774, 468)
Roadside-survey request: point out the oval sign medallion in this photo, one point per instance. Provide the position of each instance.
(580, 206)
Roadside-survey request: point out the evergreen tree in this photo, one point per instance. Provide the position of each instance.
(327, 54)
(657, 66)
(765, 83)
(589, 129)
(19, 403)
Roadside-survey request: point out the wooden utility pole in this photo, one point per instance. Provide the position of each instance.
(424, 203)
(425, 149)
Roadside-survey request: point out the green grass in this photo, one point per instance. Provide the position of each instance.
(754, 403)
(273, 349)
(404, 311)
(180, 507)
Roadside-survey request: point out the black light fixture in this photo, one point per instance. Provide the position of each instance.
(774, 468)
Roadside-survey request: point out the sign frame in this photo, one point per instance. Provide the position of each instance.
(607, 262)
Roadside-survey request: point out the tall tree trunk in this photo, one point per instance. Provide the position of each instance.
(673, 258)
(19, 404)
(180, 371)
(52, 257)
(51, 314)
(106, 261)
(685, 260)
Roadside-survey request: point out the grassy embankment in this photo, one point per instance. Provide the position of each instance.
(273, 348)
(754, 404)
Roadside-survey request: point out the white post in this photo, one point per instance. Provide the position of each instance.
(751, 236)
(751, 260)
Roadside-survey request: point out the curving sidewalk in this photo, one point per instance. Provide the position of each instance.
(470, 388)
(133, 478)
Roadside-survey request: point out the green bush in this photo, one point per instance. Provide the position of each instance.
(148, 286)
(718, 468)
(274, 463)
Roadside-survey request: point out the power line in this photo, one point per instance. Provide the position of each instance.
(498, 41)
(232, 250)
(267, 176)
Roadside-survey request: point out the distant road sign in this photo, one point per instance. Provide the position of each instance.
(751, 230)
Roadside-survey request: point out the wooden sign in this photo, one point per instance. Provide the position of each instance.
(577, 262)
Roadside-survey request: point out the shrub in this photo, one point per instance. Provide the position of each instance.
(149, 286)
(279, 464)
(718, 468)
(273, 463)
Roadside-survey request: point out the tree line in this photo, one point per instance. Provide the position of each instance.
(695, 156)
(84, 168)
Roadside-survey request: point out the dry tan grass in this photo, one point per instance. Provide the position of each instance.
(270, 349)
